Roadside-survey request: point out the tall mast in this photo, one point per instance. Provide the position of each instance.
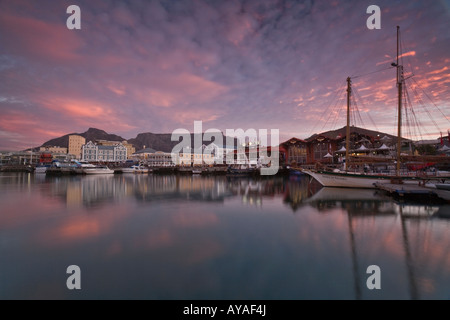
(399, 125)
(347, 138)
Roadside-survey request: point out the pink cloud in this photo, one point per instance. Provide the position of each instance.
(36, 38)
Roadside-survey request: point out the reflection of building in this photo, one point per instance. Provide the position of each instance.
(297, 191)
(75, 144)
(252, 191)
(93, 152)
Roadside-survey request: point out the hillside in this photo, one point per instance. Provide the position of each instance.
(163, 142)
(91, 134)
(160, 141)
(157, 141)
(334, 134)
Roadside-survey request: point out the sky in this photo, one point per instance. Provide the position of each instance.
(156, 66)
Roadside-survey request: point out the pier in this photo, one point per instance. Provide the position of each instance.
(413, 190)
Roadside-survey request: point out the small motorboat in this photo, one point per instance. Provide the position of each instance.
(136, 169)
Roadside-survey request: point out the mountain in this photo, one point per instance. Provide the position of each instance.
(163, 142)
(91, 134)
(157, 141)
(335, 134)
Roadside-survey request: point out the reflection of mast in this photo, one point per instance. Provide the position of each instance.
(354, 258)
(409, 262)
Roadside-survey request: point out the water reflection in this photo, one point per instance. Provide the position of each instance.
(405, 229)
(92, 191)
(218, 237)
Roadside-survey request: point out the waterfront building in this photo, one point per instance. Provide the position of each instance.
(53, 149)
(26, 157)
(130, 148)
(161, 159)
(331, 146)
(219, 152)
(254, 156)
(75, 144)
(93, 152)
(319, 147)
(296, 151)
(142, 155)
(195, 157)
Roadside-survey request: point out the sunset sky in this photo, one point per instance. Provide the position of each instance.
(155, 66)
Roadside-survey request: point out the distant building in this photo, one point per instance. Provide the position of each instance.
(130, 148)
(195, 157)
(161, 159)
(296, 151)
(219, 152)
(100, 153)
(154, 158)
(75, 144)
(53, 149)
(142, 155)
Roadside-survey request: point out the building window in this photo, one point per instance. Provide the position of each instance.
(320, 150)
(297, 154)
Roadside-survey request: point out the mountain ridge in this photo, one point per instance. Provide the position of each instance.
(157, 141)
(163, 141)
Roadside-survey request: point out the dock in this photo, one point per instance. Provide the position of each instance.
(411, 189)
(63, 171)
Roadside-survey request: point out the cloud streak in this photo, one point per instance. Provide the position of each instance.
(153, 66)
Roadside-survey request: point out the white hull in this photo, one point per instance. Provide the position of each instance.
(135, 169)
(346, 180)
(40, 170)
(98, 171)
(443, 186)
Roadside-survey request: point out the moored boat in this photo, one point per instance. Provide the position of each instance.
(42, 168)
(365, 179)
(136, 169)
(97, 170)
(443, 186)
(349, 180)
(241, 170)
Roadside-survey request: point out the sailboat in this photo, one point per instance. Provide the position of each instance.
(345, 178)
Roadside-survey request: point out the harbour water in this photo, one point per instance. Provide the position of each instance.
(218, 237)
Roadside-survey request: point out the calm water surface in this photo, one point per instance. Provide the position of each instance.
(193, 237)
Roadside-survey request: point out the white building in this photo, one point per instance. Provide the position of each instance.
(219, 153)
(195, 157)
(161, 159)
(142, 155)
(97, 153)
